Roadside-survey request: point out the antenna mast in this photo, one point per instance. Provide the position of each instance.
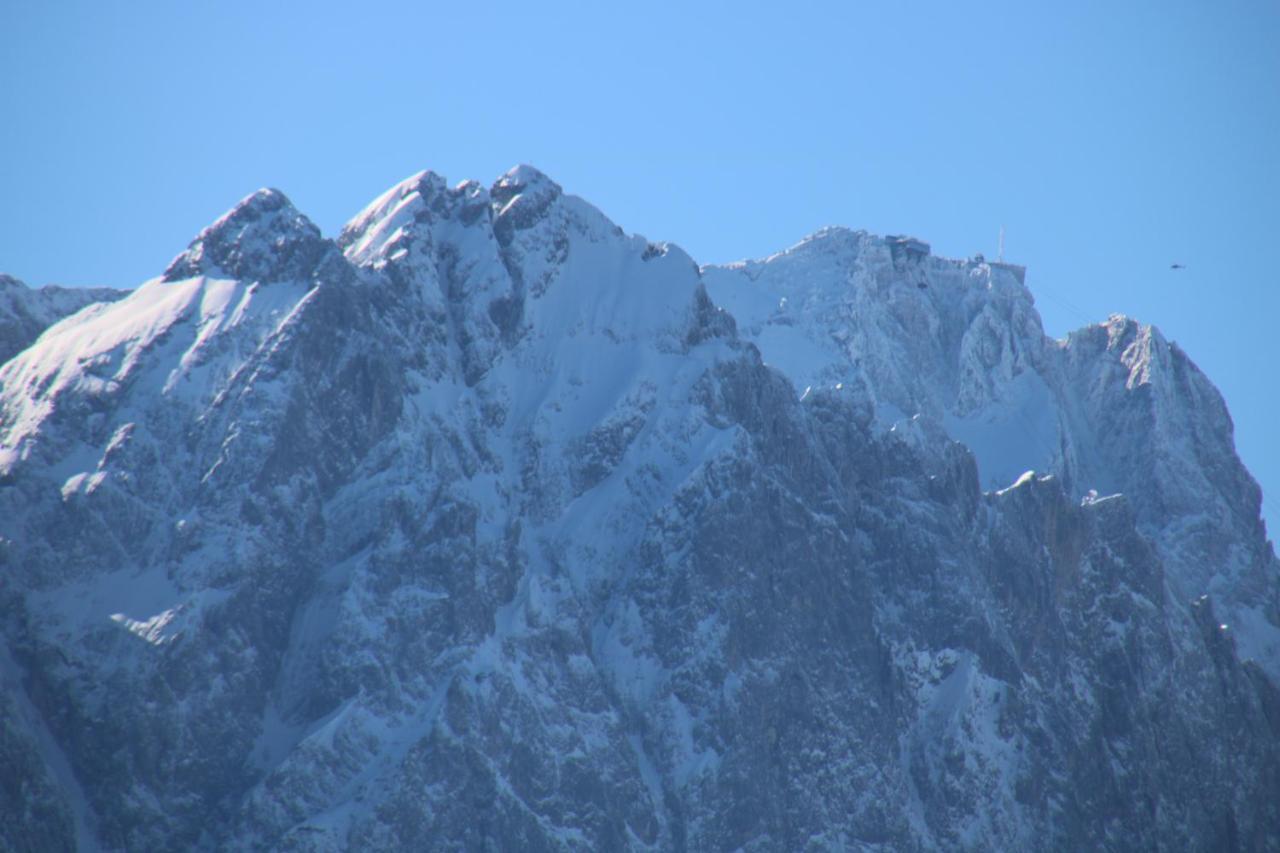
(1000, 253)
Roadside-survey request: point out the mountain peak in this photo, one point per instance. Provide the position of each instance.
(522, 180)
(376, 557)
(519, 199)
(263, 238)
(386, 224)
(525, 186)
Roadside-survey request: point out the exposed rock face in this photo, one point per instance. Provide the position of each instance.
(263, 238)
(484, 527)
(956, 347)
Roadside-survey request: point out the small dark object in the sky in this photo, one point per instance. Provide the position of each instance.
(922, 285)
(1177, 267)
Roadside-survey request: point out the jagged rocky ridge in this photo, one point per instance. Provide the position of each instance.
(486, 526)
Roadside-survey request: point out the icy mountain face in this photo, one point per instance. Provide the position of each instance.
(956, 348)
(484, 527)
(26, 312)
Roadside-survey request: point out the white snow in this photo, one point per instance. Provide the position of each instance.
(838, 309)
(600, 372)
(1013, 433)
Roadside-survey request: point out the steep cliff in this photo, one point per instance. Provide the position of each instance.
(489, 526)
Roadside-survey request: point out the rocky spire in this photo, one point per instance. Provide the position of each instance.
(263, 238)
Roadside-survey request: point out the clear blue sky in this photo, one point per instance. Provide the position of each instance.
(1110, 139)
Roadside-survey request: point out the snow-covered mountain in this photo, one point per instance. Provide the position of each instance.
(489, 526)
(957, 347)
(26, 312)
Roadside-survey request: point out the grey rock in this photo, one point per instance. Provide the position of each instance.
(486, 527)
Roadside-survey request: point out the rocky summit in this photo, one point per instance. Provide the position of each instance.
(487, 526)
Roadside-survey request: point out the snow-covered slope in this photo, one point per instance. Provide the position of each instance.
(25, 313)
(487, 526)
(1112, 409)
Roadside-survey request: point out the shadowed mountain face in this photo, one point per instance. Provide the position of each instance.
(489, 526)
